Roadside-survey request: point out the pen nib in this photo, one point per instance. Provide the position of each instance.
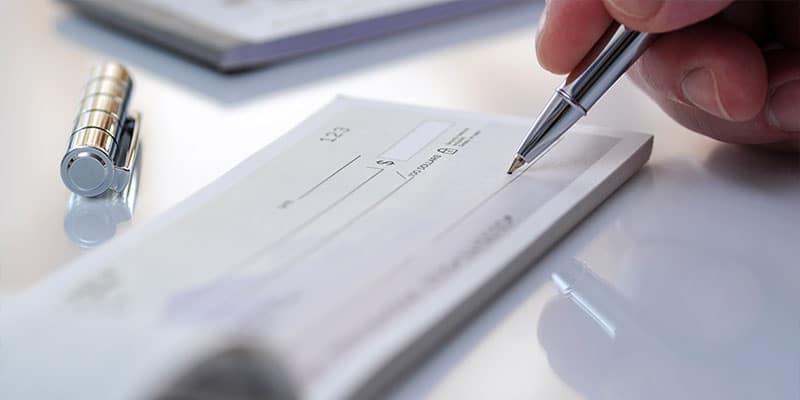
(518, 162)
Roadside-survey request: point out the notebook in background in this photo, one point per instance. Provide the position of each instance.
(232, 35)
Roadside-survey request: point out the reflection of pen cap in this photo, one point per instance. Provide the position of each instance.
(103, 145)
(90, 221)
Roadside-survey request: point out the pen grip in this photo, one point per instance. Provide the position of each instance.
(611, 56)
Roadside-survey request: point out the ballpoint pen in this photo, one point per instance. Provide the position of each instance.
(610, 57)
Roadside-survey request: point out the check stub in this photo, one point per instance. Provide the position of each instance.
(354, 244)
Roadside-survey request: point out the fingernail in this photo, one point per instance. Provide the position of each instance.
(783, 108)
(638, 9)
(700, 88)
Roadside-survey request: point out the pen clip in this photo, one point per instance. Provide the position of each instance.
(127, 152)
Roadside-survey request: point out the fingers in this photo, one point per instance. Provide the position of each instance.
(783, 104)
(559, 47)
(711, 77)
(714, 68)
(569, 29)
(776, 122)
(663, 15)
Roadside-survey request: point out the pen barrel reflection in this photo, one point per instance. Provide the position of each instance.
(91, 221)
(601, 302)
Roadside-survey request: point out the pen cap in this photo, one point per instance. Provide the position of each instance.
(88, 167)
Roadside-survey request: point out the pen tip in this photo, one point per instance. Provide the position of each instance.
(518, 162)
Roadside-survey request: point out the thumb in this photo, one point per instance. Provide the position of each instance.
(663, 15)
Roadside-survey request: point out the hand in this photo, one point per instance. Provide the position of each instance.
(729, 70)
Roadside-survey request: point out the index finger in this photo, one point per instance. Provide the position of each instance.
(559, 45)
(570, 28)
(663, 15)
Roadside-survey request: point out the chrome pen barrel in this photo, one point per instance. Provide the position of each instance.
(608, 60)
(100, 140)
(558, 115)
(611, 56)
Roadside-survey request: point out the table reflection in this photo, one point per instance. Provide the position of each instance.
(91, 221)
(652, 309)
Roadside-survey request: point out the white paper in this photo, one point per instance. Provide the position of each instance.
(338, 257)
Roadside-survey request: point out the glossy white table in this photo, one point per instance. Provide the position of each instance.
(685, 284)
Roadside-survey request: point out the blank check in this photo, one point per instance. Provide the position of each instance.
(357, 242)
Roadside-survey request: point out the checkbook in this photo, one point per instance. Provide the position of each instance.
(321, 267)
